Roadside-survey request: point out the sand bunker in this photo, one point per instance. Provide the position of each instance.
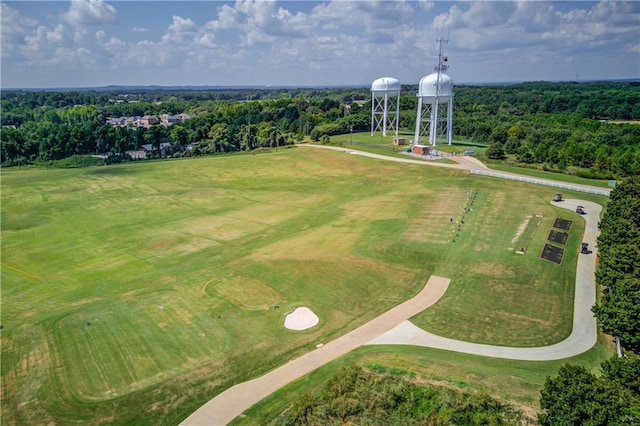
(301, 319)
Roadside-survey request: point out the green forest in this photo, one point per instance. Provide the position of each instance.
(585, 129)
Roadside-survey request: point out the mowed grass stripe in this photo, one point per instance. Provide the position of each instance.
(522, 300)
(133, 344)
(325, 230)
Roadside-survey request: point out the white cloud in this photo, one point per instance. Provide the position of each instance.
(206, 40)
(112, 44)
(43, 41)
(90, 12)
(180, 33)
(80, 35)
(426, 4)
(261, 22)
(332, 42)
(182, 25)
(13, 28)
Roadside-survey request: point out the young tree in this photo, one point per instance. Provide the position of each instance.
(495, 151)
(625, 371)
(619, 312)
(154, 136)
(178, 136)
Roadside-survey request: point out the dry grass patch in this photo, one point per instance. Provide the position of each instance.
(433, 223)
(387, 206)
(318, 243)
(218, 227)
(521, 228)
(247, 293)
(493, 270)
(492, 212)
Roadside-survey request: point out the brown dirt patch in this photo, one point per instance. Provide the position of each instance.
(491, 269)
(521, 228)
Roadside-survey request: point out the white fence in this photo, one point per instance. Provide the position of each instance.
(603, 191)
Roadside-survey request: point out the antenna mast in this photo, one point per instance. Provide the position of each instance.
(440, 68)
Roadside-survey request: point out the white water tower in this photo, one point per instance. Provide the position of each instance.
(385, 92)
(435, 91)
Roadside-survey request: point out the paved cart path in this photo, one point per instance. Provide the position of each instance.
(393, 327)
(583, 335)
(233, 401)
(464, 162)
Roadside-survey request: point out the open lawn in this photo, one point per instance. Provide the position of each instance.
(377, 143)
(547, 175)
(136, 292)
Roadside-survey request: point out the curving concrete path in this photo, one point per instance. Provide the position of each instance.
(234, 401)
(468, 163)
(383, 157)
(393, 326)
(582, 338)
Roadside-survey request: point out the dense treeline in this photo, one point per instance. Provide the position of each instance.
(576, 396)
(55, 133)
(563, 126)
(358, 396)
(17, 105)
(619, 265)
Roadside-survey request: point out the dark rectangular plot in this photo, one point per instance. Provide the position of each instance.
(562, 224)
(558, 237)
(552, 253)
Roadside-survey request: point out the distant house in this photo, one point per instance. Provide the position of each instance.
(140, 154)
(132, 121)
(116, 121)
(168, 120)
(165, 149)
(149, 120)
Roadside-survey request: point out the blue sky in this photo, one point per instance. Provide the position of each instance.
(309, 43)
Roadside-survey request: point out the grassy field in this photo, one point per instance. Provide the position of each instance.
(134, 293)
(365, 141)
(549, 175)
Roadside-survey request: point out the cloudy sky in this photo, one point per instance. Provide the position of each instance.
(308, 43)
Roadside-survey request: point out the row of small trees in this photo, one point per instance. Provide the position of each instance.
(576, 396)
(619, 264)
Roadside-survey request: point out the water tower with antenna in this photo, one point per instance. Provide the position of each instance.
(435, 103)
(385, 92)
